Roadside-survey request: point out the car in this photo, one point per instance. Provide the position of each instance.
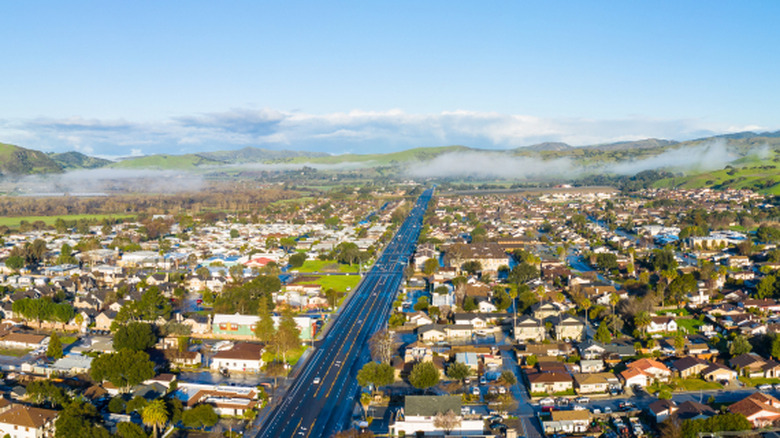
(607, 410)
(492, 390)
(777, 386)
(596, 411)
(475, 390)
(579, 408)
(765, 387)
(482, 380)
(548, 401)
(316, 381)
(466, 381)
(199, 301)
(338, 363)
(501, 390)
(582, 400)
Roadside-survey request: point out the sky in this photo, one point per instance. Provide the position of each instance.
(131, 78)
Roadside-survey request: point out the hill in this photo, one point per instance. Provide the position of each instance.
(166, 162)
(257, 155)
(76, 160)
(15, 160)
(417, 154)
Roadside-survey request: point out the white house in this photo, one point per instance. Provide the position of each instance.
(419, 415)
(18, 421)
(244, 356)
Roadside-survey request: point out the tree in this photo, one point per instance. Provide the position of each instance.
(430, 266)
(288, 244)
(287, 336)
(523, 273)
(130, 430)
(663, 260)
(458, 371)
(54, 350)
(606, 261)
(775, 348)
(603, 335)
(586, 305)
(382, 345)
(234, 234)
(66, 255)
(201, 417)
(740, 345)
(377, 374)
(642, 320)
(531, 360)
(264, 329)
(421, 304)
(768, 234)
(117, 405)
(447, 421)
(136, 336)
(78, 420)
(472, 267)
(15, 262)
(297, 260)
(45, 392)
(424, 375)
(501, 299)
(508, 377)
(136, 404)
(469, 305)
(124, 368)
(766, 287)
(155, 414)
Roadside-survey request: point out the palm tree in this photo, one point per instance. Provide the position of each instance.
(155, 414)
(586, 306)
(642, 320)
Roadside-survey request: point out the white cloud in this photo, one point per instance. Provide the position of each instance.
(366, 131)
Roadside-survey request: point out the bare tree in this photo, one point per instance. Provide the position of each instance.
(382, 345)
(447, 421)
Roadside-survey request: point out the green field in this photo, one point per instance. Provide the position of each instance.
(173, 162)
(338, 282)
(325, 266)
(756, 381)
(15, 352)
(691, 326)
(697, 385)
(13, 222)
(763, 177)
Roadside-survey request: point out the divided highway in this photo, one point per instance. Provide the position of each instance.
(321, 399)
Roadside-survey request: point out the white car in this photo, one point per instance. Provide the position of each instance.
(580, 408)
(582, 400)
(547, 402)
(764, 387)
(316, 381)
(475, 391)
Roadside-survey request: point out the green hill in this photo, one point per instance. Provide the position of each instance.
(76, 160)
(15, 160)
(166, 162)
(257, 155)
(409, 155)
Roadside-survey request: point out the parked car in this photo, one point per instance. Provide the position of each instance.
(547, 401)
(607, 410)
(582, 400)
(501, 390)
(580, 408)
(764, 387)
(475, 390)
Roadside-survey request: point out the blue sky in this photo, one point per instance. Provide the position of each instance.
(121, 78)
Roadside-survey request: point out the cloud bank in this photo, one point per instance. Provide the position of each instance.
(355, 131)
(709, 156)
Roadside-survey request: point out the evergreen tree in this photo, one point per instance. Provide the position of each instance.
(264, 330)
(54, 350)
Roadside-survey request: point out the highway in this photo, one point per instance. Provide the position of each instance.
(321, 399)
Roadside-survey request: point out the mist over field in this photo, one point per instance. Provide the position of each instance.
(708, 156)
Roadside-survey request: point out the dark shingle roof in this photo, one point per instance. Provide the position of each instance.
(430, 405)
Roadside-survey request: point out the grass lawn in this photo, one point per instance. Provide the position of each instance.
(16, 352)
(691, 326)
(292, 357)
(679, 312)
(697, 384)
(658, 387)
(338, 282)
(13, 222)
(325, 266)
(67, 340)
(758, 381)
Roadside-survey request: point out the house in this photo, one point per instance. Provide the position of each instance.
(661, 324)
(569, 327)
(431, 333)
(689, 366)
(18, 421)
(418, 352)
(529, 328)
(591, 349)
(458, 331)
(244, 356)
(475, 320)
(759, 408)
(244, 325)
(23, 340)
(418, 413)
(550, 383)
(490, 256)
(662, 409)
(591, 365)
(104, 320)
(226, 399)
(469, 359)
(652, 368)
(546, 309)
(595, 383)
(691, 410)
(633, 377)
(716, 372)
(420, 318)
(749, 364)
(566, 422)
